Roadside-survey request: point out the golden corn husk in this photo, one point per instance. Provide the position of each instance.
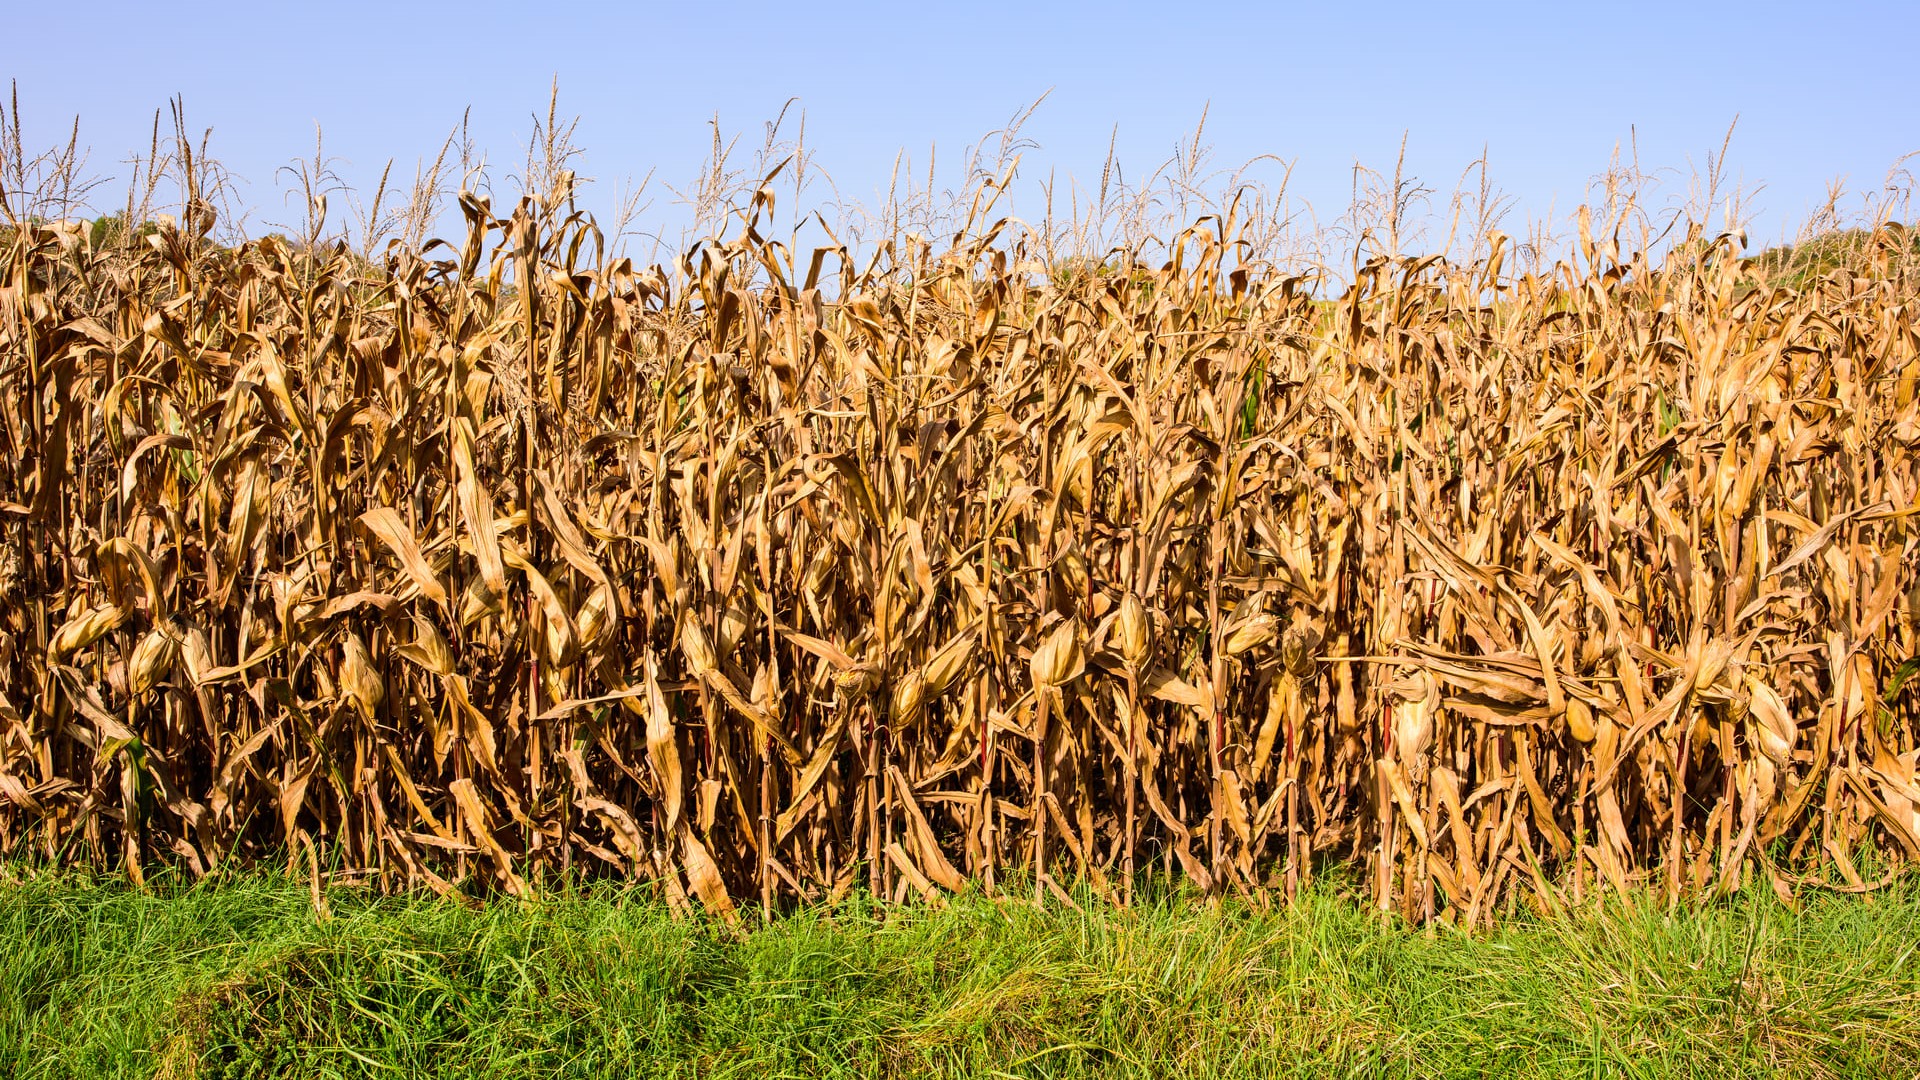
(152, 658)
(1297, 645)
(594, 619)
(1774, 726)
(1133, 632)
(360, 681)
(696, 649)
(1058, 660)
(84, 629)
(909, 694)
(1580, 720)
(858, 680)
(1251, 633)
(1416, 699)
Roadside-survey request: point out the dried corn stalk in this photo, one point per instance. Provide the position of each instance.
(717, 576)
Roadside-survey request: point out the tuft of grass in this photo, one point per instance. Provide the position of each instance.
(242, 979)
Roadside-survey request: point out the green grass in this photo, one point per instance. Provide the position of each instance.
(241, 979)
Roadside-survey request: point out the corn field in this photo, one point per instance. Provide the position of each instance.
(770, 575)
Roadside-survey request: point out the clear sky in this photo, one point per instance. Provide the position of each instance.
(1549, 89)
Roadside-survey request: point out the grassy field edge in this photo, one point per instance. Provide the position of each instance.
(243, 979)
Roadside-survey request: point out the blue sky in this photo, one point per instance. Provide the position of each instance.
(1548, 89)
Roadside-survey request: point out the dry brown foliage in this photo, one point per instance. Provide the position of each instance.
(763, 576)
